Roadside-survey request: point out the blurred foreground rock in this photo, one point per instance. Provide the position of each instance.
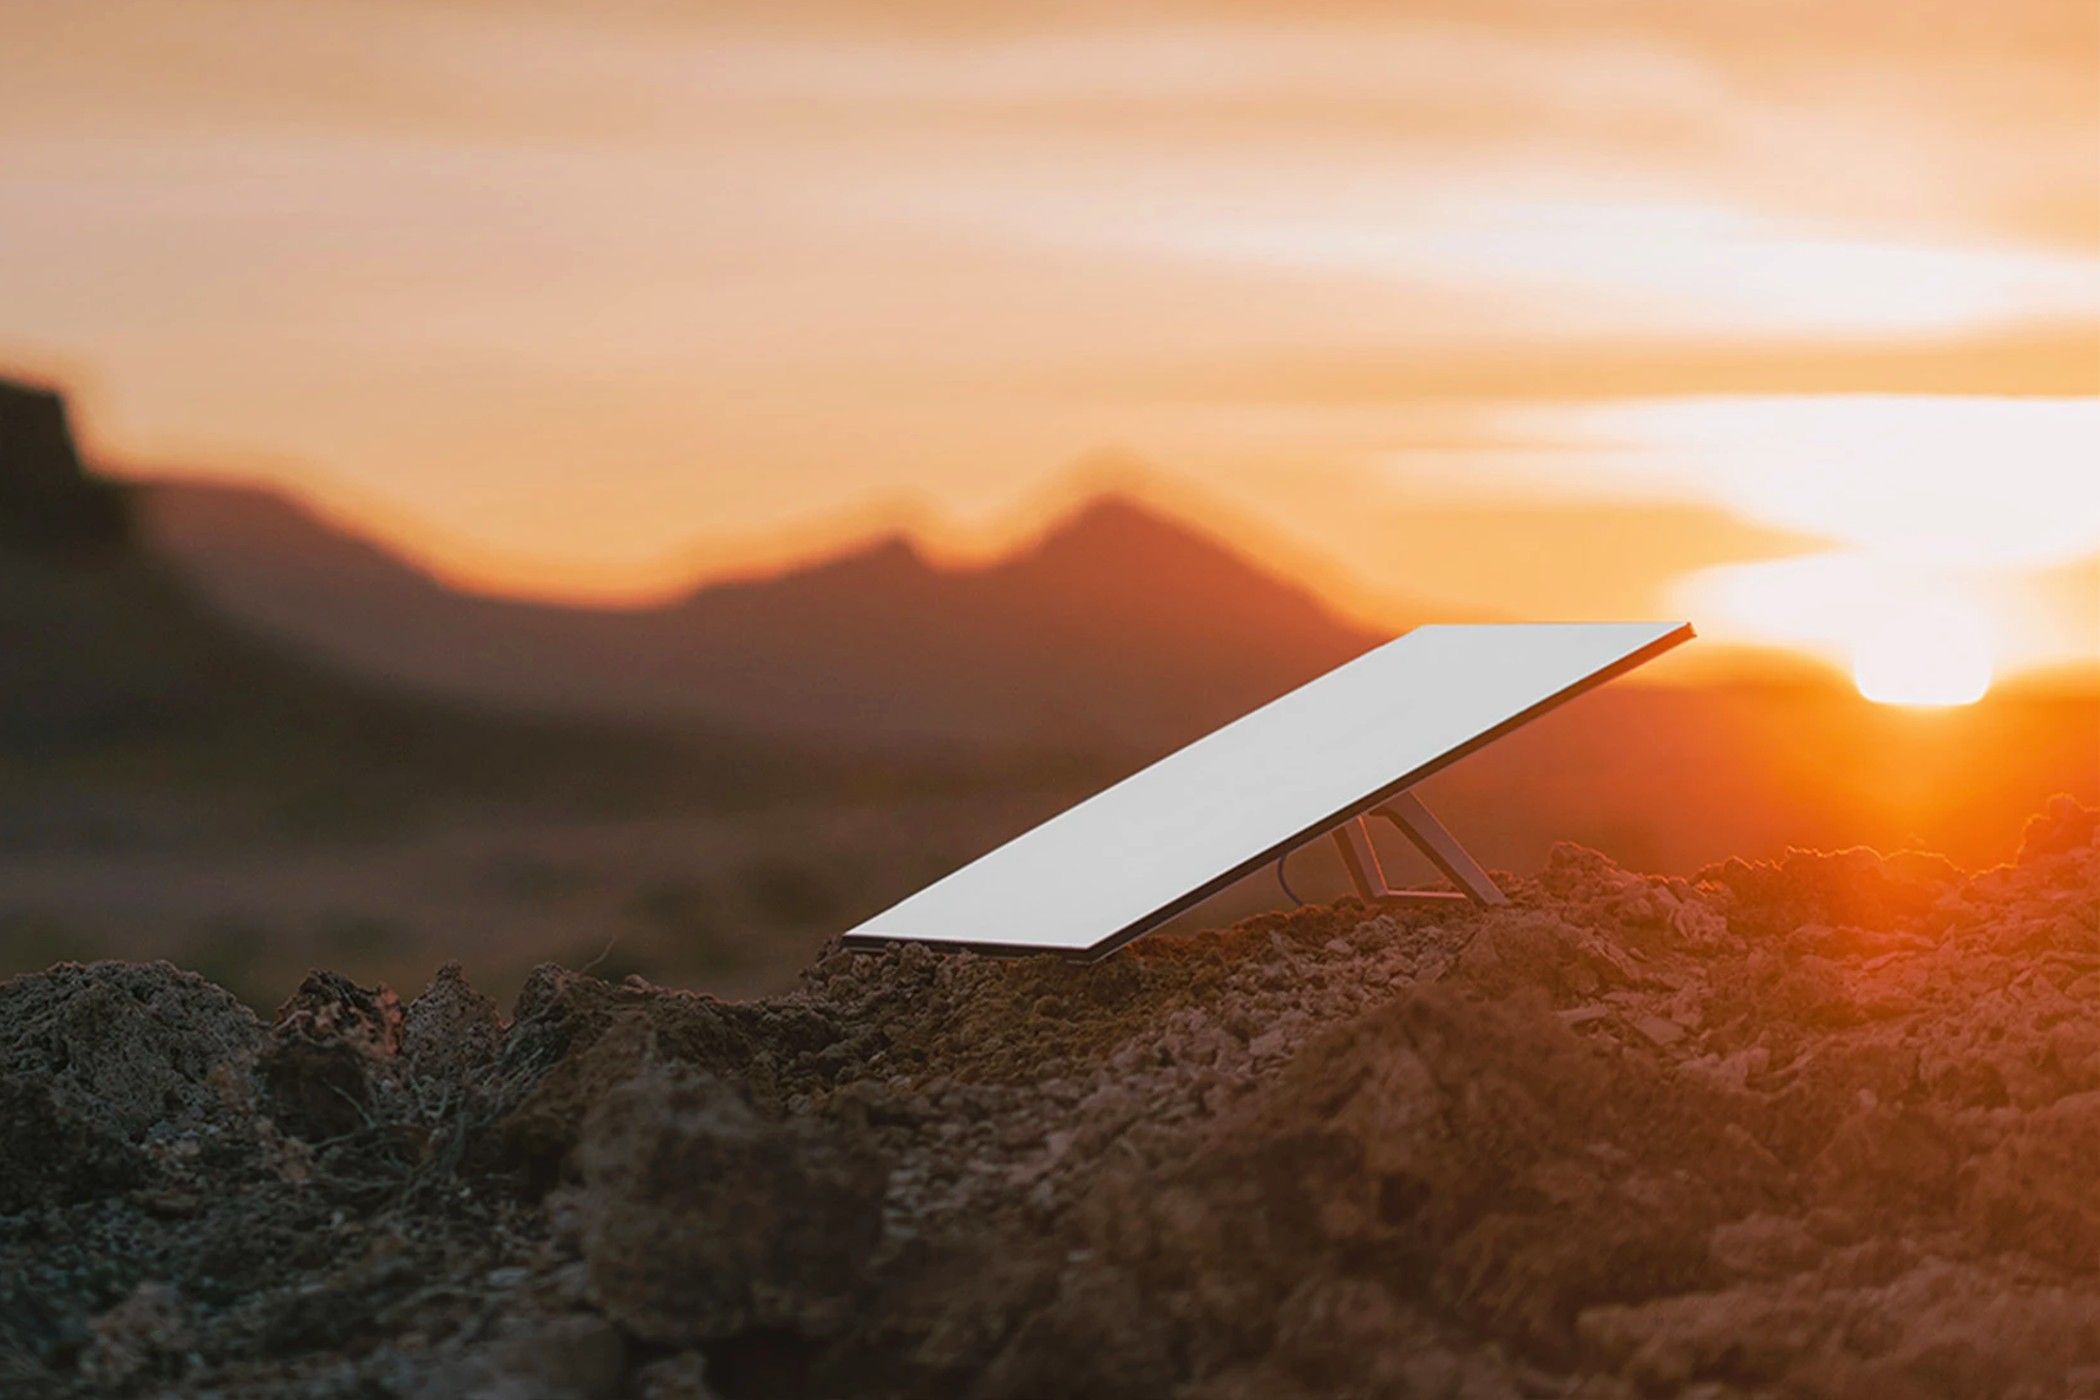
(1821, 1126)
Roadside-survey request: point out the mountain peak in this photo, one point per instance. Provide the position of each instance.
(1131, 569)
(877, 564)
(1111, 525)
(891, 554)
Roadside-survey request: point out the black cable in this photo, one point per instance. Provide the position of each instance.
(1284, 880)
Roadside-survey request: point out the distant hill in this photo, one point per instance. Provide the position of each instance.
(96, 639)
(1118, 631)
(49, 504)
(1119, 626)
(111, 664)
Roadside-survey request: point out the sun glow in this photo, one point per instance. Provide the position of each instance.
(1924, 658)
(1957, 525)
(1909, 636)
(1943, 480)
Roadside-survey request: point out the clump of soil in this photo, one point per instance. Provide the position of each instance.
(1820, 1126)
(102, 1066)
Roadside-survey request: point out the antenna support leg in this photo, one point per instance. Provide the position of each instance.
(1406, 811)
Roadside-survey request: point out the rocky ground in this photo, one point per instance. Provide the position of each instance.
(1821, 1127)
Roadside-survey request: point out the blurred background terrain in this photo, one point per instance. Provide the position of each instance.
(251, 739)
(651, 483)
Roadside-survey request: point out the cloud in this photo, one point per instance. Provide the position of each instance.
(2050, 358)
(663, 263)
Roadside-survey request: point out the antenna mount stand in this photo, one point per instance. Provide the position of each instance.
(1406, 811)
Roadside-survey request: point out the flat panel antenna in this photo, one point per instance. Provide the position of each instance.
(1319, 761)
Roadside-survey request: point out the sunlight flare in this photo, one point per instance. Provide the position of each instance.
(1936, 658)
(1906, 636)
(1933, 479)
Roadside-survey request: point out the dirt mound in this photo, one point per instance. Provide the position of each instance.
(1821, 1126)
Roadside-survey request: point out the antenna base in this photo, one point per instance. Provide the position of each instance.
(1416, 823)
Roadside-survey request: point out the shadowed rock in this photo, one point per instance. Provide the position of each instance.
(704, 1219)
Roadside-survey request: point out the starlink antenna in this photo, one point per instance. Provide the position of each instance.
(1313, 763)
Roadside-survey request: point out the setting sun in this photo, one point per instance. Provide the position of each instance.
(1935, 657)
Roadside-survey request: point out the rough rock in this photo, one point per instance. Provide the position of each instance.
(327, 1048)
(450, 1033)
(1821, 1126)
(103, 1064)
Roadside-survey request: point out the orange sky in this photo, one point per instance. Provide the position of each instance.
(1559, 310)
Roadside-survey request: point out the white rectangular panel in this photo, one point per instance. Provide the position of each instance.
(1134, 855)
